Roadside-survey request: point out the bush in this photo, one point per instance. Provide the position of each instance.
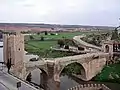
(80, 48)
(115, 34)
(61, 42)
(42, 38)
(52, 34)
(66, 47)
(31, 37)
(46, 33)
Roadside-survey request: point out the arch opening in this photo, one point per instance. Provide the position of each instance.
(67, 73)
(107, 49)
(37, 77)
(73, 68)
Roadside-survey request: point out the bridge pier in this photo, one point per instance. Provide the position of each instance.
(43, 80)
(50, 81)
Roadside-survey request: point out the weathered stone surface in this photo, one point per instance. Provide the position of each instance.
(92, 63)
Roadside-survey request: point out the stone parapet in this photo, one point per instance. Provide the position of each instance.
(90, 87)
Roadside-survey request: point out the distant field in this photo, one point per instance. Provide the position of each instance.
(60, 35)
(41, 44)
(66, 34)
(37, 46)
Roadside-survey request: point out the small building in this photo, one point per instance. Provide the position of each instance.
(112, 47)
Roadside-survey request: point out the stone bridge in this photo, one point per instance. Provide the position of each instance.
(92, 64)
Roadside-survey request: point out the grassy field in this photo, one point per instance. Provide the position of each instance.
(42, 48)
(68, 35)
(61, 35)
(110, 73)
(46, 44)
(41, 44)
(36, 46)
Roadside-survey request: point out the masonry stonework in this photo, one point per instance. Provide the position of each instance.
(14, 49)
(92, 63)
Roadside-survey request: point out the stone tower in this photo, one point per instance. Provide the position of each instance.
(13, 47)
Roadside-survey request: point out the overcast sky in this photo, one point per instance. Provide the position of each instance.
(82, 12)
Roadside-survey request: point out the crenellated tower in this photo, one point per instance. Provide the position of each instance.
(13, 47)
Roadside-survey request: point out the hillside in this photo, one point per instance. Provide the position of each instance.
(27, 26)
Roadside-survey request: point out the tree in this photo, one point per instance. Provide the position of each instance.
(66, 46)
(115, 34)
(80, 48)
(9, 64)
(29, 77)
(73, 68)
(46, 33)
(38, 33)
(61, 42)
(52, 34)
(93, 41)
(98, 41)
(52, 28)
(42, 38)
(31, 37)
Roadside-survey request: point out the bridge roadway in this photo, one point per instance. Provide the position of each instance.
(63, 60)
(92, 64)
(78, 41)
(83, 58)
(73, 49)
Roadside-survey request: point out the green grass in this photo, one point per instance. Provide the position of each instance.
(38, 47)
(41, 44)
(60, 35)
(42, 48)
(110, 73)
(68, 35)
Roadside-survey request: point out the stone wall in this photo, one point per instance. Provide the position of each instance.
(90, 87)
(14, 49)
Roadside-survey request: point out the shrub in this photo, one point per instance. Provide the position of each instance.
(46, 33)
(61, 42)
(66, 46)
(42, 38)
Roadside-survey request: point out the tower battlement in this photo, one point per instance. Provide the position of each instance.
(13, 48)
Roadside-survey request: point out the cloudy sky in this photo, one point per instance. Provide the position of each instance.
(82, 12)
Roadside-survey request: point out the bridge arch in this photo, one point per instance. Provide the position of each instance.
(82, 68)
(29, 70)
(43, 76)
